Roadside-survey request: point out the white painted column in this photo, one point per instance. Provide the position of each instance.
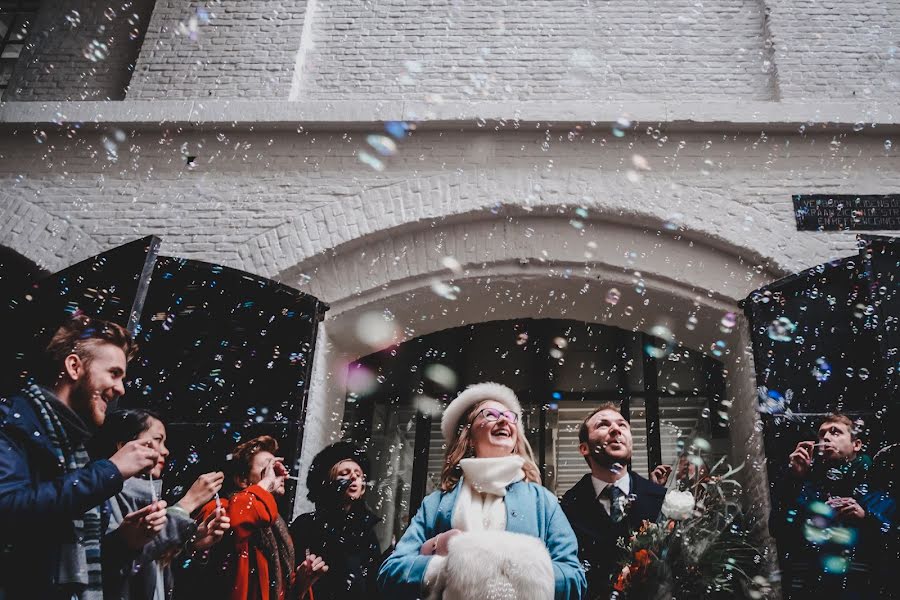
(324, 412)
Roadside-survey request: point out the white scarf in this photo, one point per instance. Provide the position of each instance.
(480, 505)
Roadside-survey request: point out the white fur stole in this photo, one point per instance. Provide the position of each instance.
(495, 565)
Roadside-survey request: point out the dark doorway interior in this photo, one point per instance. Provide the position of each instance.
(559, 369)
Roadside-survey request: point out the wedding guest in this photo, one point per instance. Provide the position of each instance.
(611, 501)
(53, 498)
(145, 572)
(826, 488)
(259, 564)
(340, 531)
(491, 530)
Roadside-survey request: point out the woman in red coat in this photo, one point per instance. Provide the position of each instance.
(262, 557)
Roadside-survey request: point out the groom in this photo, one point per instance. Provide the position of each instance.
(611, 501)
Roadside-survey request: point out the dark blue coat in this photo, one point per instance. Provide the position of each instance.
(38, 501)
(597, 534)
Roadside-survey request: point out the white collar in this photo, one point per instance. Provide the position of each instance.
(492, 475)
(623, 483)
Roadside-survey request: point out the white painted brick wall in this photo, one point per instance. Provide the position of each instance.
(53, 65)
(836, 49)
(248, 49)
(538, 49)
(453, 50)
(267, 201)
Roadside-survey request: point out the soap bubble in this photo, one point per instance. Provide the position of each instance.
(382, 144)
(718, 348)
(781, 330)
(448, 291)
(442, 375)
(837, 565)
(96, 51)
(613, 296)
(369, 160)
(822, 370)
(376, 330)
(662, 342)
(728, 322)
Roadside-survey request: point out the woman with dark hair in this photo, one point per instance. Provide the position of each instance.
(341, 529)
(146, 574)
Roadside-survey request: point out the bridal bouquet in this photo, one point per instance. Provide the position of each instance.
(697, 549)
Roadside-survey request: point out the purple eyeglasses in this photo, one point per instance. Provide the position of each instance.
(492, 414)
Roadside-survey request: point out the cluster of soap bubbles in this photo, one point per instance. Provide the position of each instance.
(381, 146)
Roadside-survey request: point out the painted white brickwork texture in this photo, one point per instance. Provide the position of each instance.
(466, 49)
(835, 49)
(538, 49)
(80, 50)
(227, 49)
(265, 202)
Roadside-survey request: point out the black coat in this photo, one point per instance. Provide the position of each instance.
(598, 535)
(797, 503)
(347, 543)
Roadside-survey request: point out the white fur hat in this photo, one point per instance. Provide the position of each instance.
(471, 396)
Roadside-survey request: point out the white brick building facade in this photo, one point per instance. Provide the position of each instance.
(734, 105)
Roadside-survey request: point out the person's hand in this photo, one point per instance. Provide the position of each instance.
(800, 460)
(309, 572)
(846, 508)
(438, 545)
(202, 491)
(139, 527)
(660, 475)
(211, 531)
(133, 458)
(273, 475)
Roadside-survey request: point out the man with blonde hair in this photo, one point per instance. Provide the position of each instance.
(52, 495)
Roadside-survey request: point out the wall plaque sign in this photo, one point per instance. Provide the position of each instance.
(847, 212)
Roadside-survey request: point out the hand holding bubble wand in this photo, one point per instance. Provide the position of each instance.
(153, 496)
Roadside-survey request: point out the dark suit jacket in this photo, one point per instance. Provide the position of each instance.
(597, 534)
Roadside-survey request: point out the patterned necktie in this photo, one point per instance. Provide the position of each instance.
(614, 495)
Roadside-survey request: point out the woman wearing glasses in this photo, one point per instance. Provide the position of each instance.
(491, 530)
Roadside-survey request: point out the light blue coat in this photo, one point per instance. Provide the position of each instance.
(530, 509)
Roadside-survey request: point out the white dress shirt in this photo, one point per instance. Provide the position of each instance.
(623, 483)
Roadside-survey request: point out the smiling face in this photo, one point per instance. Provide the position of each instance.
(493, 439)
(96, 381)
(349, 470)
(608, 439)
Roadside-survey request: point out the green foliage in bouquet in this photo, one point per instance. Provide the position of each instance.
(699, 548)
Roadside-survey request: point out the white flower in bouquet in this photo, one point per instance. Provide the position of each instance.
(678, 505)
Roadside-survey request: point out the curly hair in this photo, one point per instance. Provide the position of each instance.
(242, 455)
(81, 334)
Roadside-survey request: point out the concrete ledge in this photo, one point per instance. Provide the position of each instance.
(241, 114)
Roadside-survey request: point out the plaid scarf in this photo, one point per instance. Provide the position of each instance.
(79, 560)
(276, 545)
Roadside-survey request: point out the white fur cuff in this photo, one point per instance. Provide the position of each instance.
(497, 564)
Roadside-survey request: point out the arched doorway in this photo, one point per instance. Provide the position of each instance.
(427, 278)
(560, 369)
